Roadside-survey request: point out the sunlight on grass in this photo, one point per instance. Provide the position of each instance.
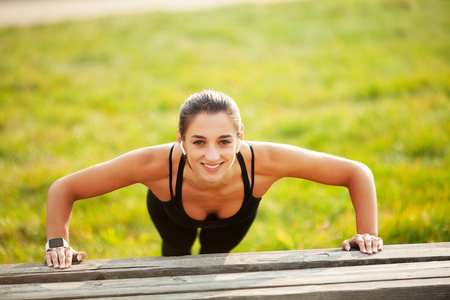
(367, 80)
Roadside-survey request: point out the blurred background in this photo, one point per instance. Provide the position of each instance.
(82, 82)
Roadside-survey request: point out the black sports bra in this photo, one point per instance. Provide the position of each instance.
(176, 212)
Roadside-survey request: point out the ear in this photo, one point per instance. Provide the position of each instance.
(180, 141)
(241, 138)
(178, 136)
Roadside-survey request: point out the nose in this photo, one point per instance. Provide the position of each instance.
(212, 154)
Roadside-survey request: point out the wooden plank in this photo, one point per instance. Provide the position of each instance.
(220, 263)
(404, 289)
(293, 281)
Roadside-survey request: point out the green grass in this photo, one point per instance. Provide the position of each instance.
(367, 80)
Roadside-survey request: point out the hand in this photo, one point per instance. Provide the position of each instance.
(62, 257)
(367, 243)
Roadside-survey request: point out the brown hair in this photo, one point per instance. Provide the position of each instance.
(210, 102)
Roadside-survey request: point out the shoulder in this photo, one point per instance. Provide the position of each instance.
(147, 164)
(150, 153)
(282, 160)
(270, 153)
(268, 157)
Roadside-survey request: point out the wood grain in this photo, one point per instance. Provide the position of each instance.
(420, 271)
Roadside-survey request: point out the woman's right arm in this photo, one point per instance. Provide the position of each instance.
(139, 166)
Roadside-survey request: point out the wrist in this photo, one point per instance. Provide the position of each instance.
(55, 243)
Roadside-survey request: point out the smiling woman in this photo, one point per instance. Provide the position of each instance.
(209, 179)
(214, 148)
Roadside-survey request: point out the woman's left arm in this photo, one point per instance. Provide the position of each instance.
(362, 191)
(291, 161)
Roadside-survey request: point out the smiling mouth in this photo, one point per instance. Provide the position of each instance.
(212, 167)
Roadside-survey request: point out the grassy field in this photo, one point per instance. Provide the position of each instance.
(367, 80)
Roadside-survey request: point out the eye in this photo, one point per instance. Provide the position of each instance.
(225, 142)
(198, 142)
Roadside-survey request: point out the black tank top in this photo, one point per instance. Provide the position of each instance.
(176, 212)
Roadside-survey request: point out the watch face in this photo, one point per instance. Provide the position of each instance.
(55, 243)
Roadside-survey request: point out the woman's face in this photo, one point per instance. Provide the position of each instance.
(211, 143)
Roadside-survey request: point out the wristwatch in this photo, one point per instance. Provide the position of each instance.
(55, 243)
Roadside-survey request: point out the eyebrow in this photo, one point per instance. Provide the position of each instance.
(225, 136)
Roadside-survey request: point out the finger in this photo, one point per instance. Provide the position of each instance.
(380, 244)
(361, 243)
(346, 245)
(54, 258)
(68, 253)
(368, 244)
(61, 257)
(79, 256)
(48, 259)
(375, 241)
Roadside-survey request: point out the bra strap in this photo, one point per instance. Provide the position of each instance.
(170, 171)
(179, 182)
(253, 169)
(247, 189)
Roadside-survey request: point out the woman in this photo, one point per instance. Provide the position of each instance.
(210, 179)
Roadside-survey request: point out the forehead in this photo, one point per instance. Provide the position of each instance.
(211, 124)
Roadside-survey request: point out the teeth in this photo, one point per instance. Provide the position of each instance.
(212, 166)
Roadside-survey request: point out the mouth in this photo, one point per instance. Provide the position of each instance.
(212, 167)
